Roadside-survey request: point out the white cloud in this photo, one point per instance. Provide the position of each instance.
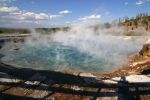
(91, 17)
(28, 15)
(13, 16)
(54, 16)
(9, 9)
(140, 3)
(35, 16)
(41, 16)
(64, 12)
(10, 16)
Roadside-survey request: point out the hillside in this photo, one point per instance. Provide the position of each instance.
(139, 21)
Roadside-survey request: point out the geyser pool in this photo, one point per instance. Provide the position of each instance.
(106, 56)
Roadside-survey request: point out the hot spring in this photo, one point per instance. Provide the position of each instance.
(80, 49)
(58, 56)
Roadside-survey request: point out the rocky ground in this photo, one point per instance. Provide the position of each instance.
(132, 82)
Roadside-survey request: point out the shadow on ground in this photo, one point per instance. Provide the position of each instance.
(28, 84)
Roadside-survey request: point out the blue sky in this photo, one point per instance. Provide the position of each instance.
(46, 13)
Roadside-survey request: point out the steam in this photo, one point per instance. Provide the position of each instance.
(99, 43)
(88, 39)
(102, 42)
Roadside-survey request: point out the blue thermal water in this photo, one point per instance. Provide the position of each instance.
(57, 56)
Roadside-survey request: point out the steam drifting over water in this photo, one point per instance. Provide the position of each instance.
(83, 48)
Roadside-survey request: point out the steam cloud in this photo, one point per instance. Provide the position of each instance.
(98, 42)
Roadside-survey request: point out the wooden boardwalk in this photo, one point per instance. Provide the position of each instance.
(30, 84)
